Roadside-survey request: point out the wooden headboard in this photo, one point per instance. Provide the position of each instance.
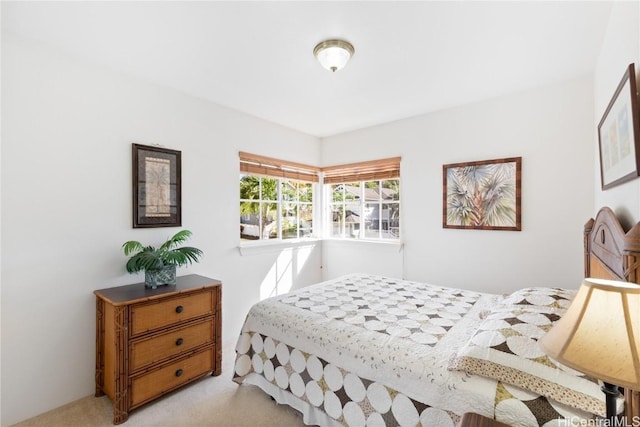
(612, 253)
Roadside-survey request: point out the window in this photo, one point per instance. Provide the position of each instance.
(364, 200)
(365, 209)
(276, 198)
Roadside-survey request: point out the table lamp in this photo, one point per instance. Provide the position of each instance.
(599, 335)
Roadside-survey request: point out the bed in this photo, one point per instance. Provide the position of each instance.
(376, 351)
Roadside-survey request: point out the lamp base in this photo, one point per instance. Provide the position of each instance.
(611, 394)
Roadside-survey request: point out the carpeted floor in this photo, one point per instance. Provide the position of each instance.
(212, 401)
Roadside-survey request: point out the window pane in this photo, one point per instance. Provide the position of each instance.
(391, 189)
(337, 221)
(372, 191)
(305, 192)
(269, 189)
(289, 221)
(306, 220)
(352, 191)
(391, 221)
(337, 192)
(249, 187)
(269, 220)
(352, 220)
(289, 190)
(249, 220)
(372, 220)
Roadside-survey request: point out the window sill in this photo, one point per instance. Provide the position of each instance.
(391, 244)
(265, 246)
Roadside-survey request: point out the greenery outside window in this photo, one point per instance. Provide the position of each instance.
(276, 198)
(275, 208)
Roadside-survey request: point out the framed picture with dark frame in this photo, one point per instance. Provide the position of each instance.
(482, 195)
(619, 134)
(156, 187)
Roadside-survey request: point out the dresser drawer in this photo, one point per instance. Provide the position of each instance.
(146, 351)
(166, 312)
(156, 383)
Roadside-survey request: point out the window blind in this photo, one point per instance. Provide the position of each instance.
(363, 171)
(255, 164)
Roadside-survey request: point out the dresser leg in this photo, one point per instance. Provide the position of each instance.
(119, 417)
(217, 362)
(99, 347)
(121, 400)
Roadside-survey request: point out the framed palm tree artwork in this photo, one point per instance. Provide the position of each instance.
(483, 195)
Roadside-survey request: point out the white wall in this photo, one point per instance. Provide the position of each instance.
(620, 48)
(66, 210)
(356, 256)
(551, 128)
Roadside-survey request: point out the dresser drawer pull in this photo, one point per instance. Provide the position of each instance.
(178, 372)
(179, 309)
(179, 341)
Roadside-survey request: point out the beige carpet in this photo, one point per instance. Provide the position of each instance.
(212, 401)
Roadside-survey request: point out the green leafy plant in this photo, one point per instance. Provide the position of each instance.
(150, 258)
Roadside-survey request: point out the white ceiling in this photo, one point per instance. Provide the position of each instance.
(411, 57)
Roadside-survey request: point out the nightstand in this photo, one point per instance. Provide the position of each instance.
(475, 420)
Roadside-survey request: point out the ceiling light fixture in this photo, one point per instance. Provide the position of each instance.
(333, 54)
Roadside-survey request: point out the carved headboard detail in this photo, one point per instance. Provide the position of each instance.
(612, 253)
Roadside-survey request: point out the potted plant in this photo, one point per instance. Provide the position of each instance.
(159, 264)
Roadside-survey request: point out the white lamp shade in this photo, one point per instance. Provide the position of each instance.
(333, 54)
(600, 333)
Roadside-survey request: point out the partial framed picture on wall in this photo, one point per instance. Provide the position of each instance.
(156, 187)
(619, 134)
(482, 195)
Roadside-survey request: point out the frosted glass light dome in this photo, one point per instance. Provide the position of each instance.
(333, 54)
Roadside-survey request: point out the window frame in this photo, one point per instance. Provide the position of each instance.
(362, 202)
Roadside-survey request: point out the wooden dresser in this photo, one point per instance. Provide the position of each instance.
(152, 341)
